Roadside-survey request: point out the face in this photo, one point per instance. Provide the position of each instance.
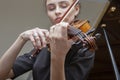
(57, 8)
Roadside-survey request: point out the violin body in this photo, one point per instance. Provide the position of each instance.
(83, 25)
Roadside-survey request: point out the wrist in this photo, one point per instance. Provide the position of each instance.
(57, 59)
(21, 39)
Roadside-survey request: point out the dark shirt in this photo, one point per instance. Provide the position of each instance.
(78, 63)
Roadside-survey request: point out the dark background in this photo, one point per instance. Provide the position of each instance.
(103, 68)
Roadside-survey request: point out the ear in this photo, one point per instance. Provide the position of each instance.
(77, 9)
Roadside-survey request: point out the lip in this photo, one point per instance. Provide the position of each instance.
(57, 20)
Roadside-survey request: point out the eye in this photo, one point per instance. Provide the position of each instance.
(51, 7)
(64, 4)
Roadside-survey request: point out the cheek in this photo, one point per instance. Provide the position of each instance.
(72, 13)
(50, 15)
(71, 16)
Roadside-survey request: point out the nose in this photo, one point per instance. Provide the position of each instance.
(57, 11)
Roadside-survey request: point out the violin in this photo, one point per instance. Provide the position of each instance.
(80, 29)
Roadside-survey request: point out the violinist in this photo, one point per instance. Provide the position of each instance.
(63, 59)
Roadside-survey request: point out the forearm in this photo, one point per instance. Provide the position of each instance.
(57, 71)
(8, 58)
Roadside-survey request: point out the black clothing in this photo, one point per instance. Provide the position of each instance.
(78, 62)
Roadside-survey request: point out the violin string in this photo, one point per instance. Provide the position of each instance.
(72, 30)
(81, 36)
(76, 32)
